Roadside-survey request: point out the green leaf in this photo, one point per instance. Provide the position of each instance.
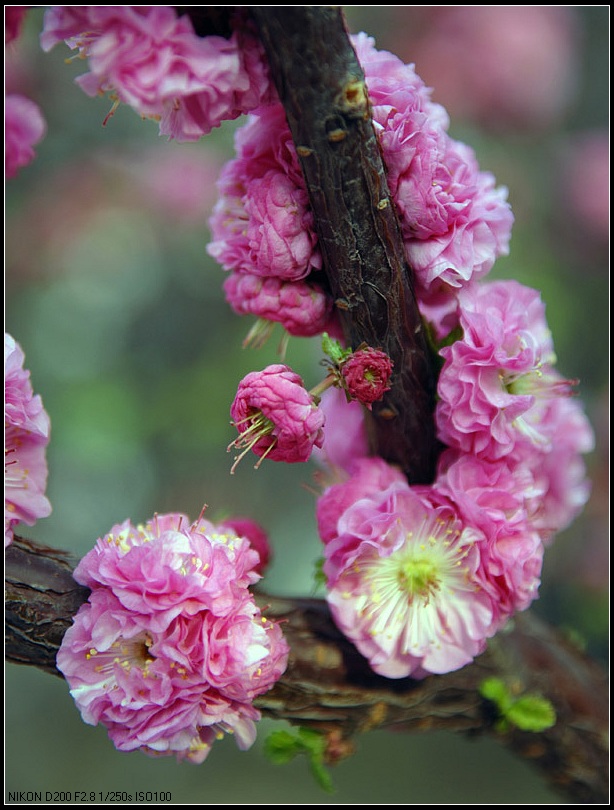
(495, 690)
(333, 349)
(527, 712)
(282, 746)
(532, 713)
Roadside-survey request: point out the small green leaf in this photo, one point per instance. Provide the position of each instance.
(333, 349)
(527, 712)
(532, 713)
(282, 746)
(495, 690)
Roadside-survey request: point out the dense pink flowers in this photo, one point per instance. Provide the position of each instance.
(419, 577)
(262, 223)
(494, 377)
(262, 230)
(24, 127)
(276, 416)
(170, 650)
(26, 436)
(151, 59)
(454, 220)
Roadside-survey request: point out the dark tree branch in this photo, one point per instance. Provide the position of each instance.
(322, 88)
(329, 686)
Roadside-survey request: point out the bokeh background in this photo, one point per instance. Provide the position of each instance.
(111, 294)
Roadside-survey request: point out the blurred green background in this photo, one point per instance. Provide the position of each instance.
(119, 309)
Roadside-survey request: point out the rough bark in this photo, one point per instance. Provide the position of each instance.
(322, 88)
(329, 686)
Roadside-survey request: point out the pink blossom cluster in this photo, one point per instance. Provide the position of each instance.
(278, 418)
(455, 221)
(170, 650)
(405, 573)
(419, 577)
(262, 230)
(151, 59)
(26, 436)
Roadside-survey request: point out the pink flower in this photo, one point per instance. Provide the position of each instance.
(561, 472)
(170, 567)
(24, 127)
(258, 538)
(151, 59)
(345, 437)
(366, 477)
(366, 374)
(166, 669)
(26, 426)
(498, 497)
(493, 377)
(303, 308)
(406, 585)
(276, 416)
(262, 223)
(454, 221)
(472, 229)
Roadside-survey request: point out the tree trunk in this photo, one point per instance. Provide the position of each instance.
(322, 88)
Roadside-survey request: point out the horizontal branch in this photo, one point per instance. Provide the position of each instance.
(329, 686)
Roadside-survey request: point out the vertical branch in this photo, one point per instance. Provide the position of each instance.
(322, 88)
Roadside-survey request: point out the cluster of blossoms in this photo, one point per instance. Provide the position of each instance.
(26, 436)
(170, 649)
(418, 577)
(455, 222)
(151, 59)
